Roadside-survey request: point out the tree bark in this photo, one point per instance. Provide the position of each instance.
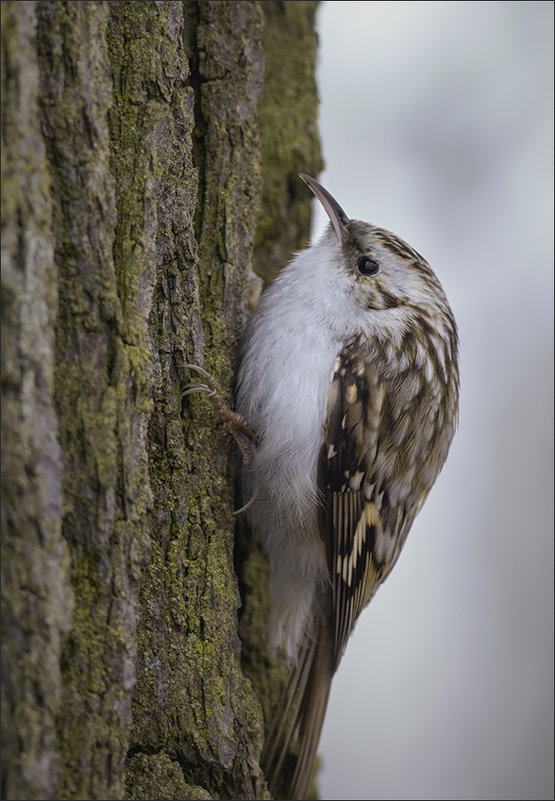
(149, 155)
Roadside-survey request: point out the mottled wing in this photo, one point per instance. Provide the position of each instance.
(363, 533)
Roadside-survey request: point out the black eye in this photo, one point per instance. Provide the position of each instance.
(367, 266)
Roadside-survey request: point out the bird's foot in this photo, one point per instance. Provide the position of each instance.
(244, 435)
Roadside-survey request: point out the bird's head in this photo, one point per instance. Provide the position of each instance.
(385, 273)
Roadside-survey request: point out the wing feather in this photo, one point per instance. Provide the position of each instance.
(357, 501)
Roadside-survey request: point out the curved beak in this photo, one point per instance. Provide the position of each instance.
(337, 216)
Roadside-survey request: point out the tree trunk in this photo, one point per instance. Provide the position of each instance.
(149, 149)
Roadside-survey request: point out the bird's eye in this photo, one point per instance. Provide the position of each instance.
(367, 266)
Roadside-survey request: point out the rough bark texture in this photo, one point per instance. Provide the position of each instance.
(141, 154)
(288, 122)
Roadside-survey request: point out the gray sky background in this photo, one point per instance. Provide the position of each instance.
(437, 123)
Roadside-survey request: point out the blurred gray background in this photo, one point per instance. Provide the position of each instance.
(437, 123)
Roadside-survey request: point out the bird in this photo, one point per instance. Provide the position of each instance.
(346, 404)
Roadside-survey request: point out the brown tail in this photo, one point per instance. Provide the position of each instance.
(300, 717)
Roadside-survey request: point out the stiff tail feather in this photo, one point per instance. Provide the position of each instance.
(299, 718)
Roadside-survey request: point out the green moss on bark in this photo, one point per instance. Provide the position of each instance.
(157, 776)
(191, 703)
(289, 132)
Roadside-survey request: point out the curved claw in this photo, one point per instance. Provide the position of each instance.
(203, 373)
(190, 388)
(244, 435)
